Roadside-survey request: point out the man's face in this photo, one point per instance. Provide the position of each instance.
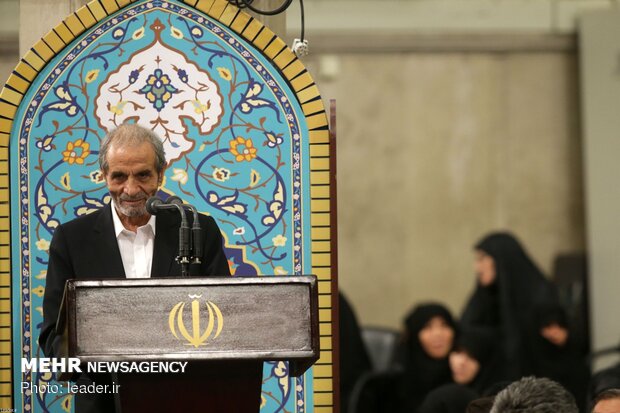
(132, 178)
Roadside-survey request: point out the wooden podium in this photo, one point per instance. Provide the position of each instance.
(224, 327)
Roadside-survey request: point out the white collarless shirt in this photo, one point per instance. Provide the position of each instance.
(136, 247)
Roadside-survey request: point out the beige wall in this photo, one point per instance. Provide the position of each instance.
(7, 64)
(434, 150)
(9, 19)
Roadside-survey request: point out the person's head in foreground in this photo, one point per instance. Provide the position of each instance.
(607, 401)
(534, 395)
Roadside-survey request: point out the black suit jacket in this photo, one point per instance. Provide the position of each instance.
(86, 248)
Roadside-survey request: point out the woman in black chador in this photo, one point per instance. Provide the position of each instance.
(558, 353)
(509, 287)
(429, 336)
(354, 359)
(449, 398)
(474, 361)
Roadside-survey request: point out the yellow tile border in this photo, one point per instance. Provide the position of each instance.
(324, 399)
(229, 15)
(53, 40)
(81, 20)
(19, 84)
(319, 164)
(43, 50)
(308, 94)
(7, 110)
(252, 29)
(109, 6)
(33, 59)
(321, 246)
(96, 8)
(293, 69)
(284, 58)
(217, 9)
(240, 22)
(64, 33)
(26, 71)
(5, 125)
(11, 96)
(74, 24)
(274, 49)
(261, 37)
(204, 5)
(302, 81)
(313, 107)
(316, 121)
(323, 385)
(319, 136)
(319, 233)
(319, 192)
(319, 150)
(264, 38)
(320, 205)
(123, 3)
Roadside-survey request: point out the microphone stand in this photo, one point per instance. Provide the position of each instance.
(184, 243)
(196, 239)
(153, 205)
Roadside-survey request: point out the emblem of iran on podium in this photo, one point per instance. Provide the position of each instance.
(195, 336)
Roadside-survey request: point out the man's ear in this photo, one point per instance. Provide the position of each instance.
(160, 178)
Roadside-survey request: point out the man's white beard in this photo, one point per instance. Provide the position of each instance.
(131, 211)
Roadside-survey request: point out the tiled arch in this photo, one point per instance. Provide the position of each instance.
(318, 173)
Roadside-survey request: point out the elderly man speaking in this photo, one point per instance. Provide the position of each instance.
(122, 240)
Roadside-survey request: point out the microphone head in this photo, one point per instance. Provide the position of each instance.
(151, 205)
(174, 200)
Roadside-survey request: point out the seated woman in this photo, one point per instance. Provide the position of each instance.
(608, 378)
(449, 398)
(473, 361)
(429, 335)
(354, 359)
(558, 353)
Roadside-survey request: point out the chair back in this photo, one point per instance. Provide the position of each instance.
(381, 343)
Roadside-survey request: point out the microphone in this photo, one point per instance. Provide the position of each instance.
(196, 229)
(173, 199)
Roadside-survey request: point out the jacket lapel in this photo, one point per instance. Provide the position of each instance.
(106, 245)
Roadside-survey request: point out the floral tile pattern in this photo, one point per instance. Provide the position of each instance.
(235, 140)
